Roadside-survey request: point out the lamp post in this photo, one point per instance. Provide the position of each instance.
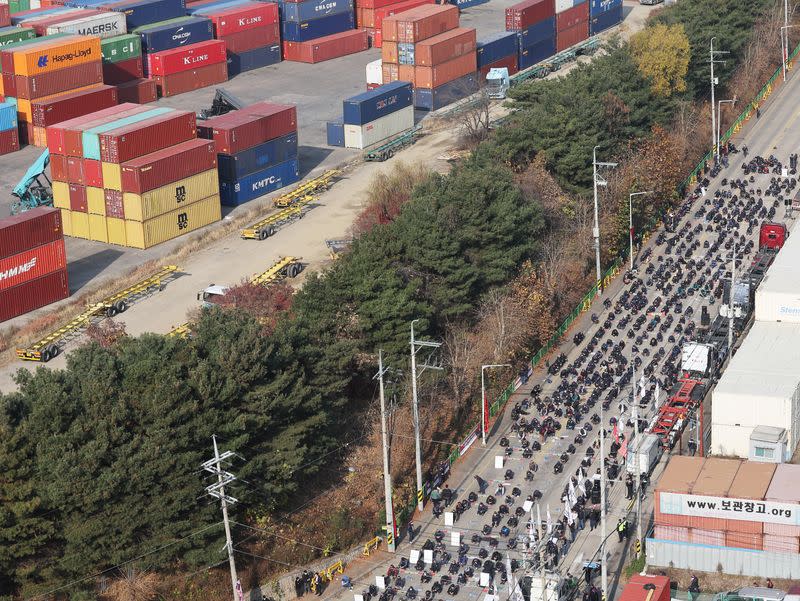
(597, 180)
(483, 398)
(630, 218)
(712, 61)
(785, 42)
(719, 119)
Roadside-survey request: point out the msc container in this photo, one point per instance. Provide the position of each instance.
(145, 137)
(68, 106)
(186, 81)
(180, 193)
(377, 103)
(509, 62)
(445, 47)
(326, 48)
(251, 15)
(293, 31)
(158, 169)
(528, 12)
(601, 6)
(572, 17)
(144, 12)
(166, 35)
(573, 35)
(239, 130)
(496, 47)
(186, 58)
(313, 9)
(543, 30)
(438, 75)
(335, 133)
(604, 20)
(536, 53)
(369, 134)
(140, 91)
(56, 55)
(260, 183)
(90, 138)
(433, 99)
(103, 25)
(253, 59)
(250, 39)
(121, 48)
(33, 295)
(9, 141)
(8, 116)
(257, 158)
(95, 200)
(10, 35)
(564, 5)
(429, 20)
(123, 71)
(173, 224)
(80, 224)
(28, 230)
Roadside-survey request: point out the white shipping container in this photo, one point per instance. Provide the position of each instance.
(369, 134)
(375, 72)
(105, 25)
(562, 5)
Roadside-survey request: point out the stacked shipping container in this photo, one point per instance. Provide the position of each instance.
(319, 30)
(371, 13)
(535, 24)
(122, 67)
(572, 23)
(604, 14)
(498, 51)
(374, 116)
(9, 136)
(256, 149)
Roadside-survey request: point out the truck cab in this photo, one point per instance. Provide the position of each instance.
(212, 294)
(497, 82)
(772, 235)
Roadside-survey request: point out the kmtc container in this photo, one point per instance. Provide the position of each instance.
(326, 48)
(28, 230)
(90, 138)
(248, 127)
(257, 158)
(180, 193)
(50, 111)
(143, 12)
(243, 18)
(496, 47)
(34, 294)
(369, 134)
(171, 164)
(600, 6)
(308, 30)
(445, 47)
(148, 136)
(31, 264)
(9, 35)
(56, 55)
(103, 25)
(543, 30)
(313, 9)
(436, 98)
(527, 13)
(260, 183)
(253, 59)
(121, 48)
(173, 224)
(53, 82)
(166, 35)
(601, 21)
(187, 58)
(377, 103)
(186, 81)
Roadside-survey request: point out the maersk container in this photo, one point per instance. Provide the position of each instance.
(373, 132)
(313, 9)
(317, 28)
(496, 47)
(433, 99)
(543, 30)
(240, 62)
(605, 20)
(236, 166)
(259, 183)
(139, 13)
(8, 116)
(537, 53)
(9, 35)
(377, 103)
(601, 6)
(104, 25)
(167, 35)
(335, 130)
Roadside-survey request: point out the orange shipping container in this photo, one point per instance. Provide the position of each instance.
(744, 541)
(781, 544)
(420, 22)
(389, 52)
(679, 477)
(390, 72)
(406, 73)
(699, 536)
(56, 55)
(433, 77)
(675, 533)
(751, 482)
(445, 47)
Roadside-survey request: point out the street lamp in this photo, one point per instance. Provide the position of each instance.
(714, 81)
(719, 119)
(630, 218)
(598, 180)
(785, 47)
(483, 398)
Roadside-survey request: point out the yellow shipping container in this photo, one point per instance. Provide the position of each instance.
(97, 228)
(173, 224)
(141, 207)
(66, 221)
(61, 195)
(112, 176)
(80, 225)
(56, 54)
(95, 200)
(116, 231)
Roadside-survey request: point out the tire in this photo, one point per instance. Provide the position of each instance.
(45, 356)
(270, 231)
(263, 234)
(121, 306)
(111, 311)
(53, 350)
(390, 153)
(384, 155)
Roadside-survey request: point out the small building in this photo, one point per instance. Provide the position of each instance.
(768, 444)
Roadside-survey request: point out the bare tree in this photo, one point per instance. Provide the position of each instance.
(461, 351)
(475, 120)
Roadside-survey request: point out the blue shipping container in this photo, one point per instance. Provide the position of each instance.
(239, 62)
(430, 100)
(536, 53)
(335, 133)
(183, 32)
(383, 100)
(313, 9)
(293, 31)
(462, 4)
(259, 183)
(603, 21)
(544, 30)
(213, 7)
(144, 12)
(500, 45)
(257, 158)
(601, 6)
(8, 116)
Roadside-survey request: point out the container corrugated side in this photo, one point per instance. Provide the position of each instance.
(186, 58)
(71, 105)
(572, 17)
(601, 21)
(158, 169)
(8, 116)
(543, 30)
(8, 51)
(565, 5)
(436, 98)
(56, 134)
(260, 183)
(166, 35)
(250, 39)
(137, 139)
(9, 35)
(173, 224)
(240, 130)
(31, 264)
(364, 136)
(438, 75)
(496, 47)
(242, 18)
(377, 103)
(573, 35)
(95, 200)
(444, 47)
(327, 48)
(536, 53)
(30, 229)
(123, 71)
(80, 225)
(335, 133)
(781, 544)
(9, 141)
(257, 158)
(308, 30)
(313, 9)
(90, 139)
(105, 25)
(187, 81)
(141, 91)
(141, 207)
(33, 295)
(48, 84)
(121, 48)
(436, 19)
(240, 62)
(57, 55)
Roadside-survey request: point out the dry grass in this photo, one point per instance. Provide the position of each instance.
(714, 582)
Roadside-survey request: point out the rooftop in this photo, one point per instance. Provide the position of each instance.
(768, 434)
(783, 275)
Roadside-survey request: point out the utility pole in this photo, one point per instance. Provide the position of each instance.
(416, 345)
(719, 118)
(730, 300)
(636, 460)
(603, 569)
(785, 38)
(391, 543)
(541, 543)
(597, 180)
(712, 61)
(217, 490)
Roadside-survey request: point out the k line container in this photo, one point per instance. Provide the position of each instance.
(33, 295)
(429, 20)
(496, 47)
(144, 12)
(436, 98)
(335, 133)
(257, 158)
(377, 103)
(572, 17)
(90, 138)
(173, 224)
(239, 130)
(121, 48)
(186, 81)
(56, 55)
(68, 106)
(445, 47)
(103, 25)
(186, 58)
(250, 39)
(292, 31)
(145, 137)
(253, 59)
(528, 12)
(438, 75)
(260, 183)
(509, 62)
(369, 134)
(180, 193)
(327, 48)
(573, 35)
(536, 53)
(123, 71)
(166, 35)
(313, 9)
(141, 91)
(243, 18)
(543, 30)
(32, 264)
(160, 168)
(601, 21)
(28, 230)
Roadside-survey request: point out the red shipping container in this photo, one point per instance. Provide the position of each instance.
(186, 58)
(58, 167)
(53, 82)
(744, 541)
(116, 73)
(34, 294)
(433, 77)
(93, 173)
(74, 104)
(242, 18)
(389, 53)
(509, 62)
(139, 91)
(373, 17)
(9, 84)
(375, 37)
(126, 143)
(251, 39)
(28, 230)
(77, 198)
(9, 141)
(187, 81)
(5, 15)
(573, 35)
(406, 73)
(56, 133)
(427, 21)
(375, 3)
(444, 47)
(168, 165)
(572, 17)
(73, 137)
(75, 171)
(249, 126)
(31, 264)
(527, 13)
(326, 48)
(114, 204)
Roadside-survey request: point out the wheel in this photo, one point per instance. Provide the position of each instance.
(390, 153)
(111, 311)
(53, 350)
(263, 234)
(121, 306)
(271, 230)
(384, 155)
(45, 356)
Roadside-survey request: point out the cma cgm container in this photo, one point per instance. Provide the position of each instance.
(496, 47)
(369, 134)
(260, 183)
(528, 12)
(187, 81)
(326, 48)
(279, 150)
(166, 35)
(241, 62)
(33, 294)
(436, 98)
(573, 35)
(303, 31)
(240, 130)
(55, 55)
(377, 103)
(47, 112)
(599, 22)
(157, 169)
(144, 12)
(313, 9)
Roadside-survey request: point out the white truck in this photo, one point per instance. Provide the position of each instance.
(646, 450)
(497, 82)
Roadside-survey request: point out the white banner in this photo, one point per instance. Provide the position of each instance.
(731, 509)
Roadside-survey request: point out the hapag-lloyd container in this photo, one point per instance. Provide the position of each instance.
(604, 20)
(186, 58)
(102, 25)
(528, 12)
(173, 224)
(90, 138)
(34, 294)
(123, 71)
(572, 17)
(166, 35)
(510, 62)
(496, 47)
(239, 62)
(543, 30)
(31, 264)
(143, 12)
(28, 230)
(438, 75)
(68, 106)
(317, 28)
(243, 129)
(428, 20)
(326, 48)
(600, 6)
(158, 169)
(56, 55)
(10, 35)
(313, 9)
(180, 193)
(563, 5)
(243, 18)
(445, 47)
(383, 100)
(250, 39)
(186, 81)
(259, 183)
(148, 136)
(121, 48)
(574, 35)
(369, 134)
(53, 82)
